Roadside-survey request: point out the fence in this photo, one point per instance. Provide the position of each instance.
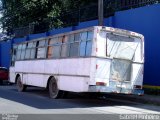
(86, 13)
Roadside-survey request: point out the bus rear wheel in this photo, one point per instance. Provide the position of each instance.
(54, 92)
(20, 86)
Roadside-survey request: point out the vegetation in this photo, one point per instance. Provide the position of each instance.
(43, 13)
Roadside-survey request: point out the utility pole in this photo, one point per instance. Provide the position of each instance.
(100, 12)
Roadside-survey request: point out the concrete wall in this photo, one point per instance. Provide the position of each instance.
(144, 20)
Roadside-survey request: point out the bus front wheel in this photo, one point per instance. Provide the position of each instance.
(21, 87)
(54, 92)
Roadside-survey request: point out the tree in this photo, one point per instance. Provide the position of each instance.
(43, 14)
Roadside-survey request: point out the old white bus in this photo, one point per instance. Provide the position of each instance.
(95, 59)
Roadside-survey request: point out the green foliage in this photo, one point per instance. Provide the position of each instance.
(43, 13)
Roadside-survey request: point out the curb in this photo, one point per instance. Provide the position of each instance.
(145, 99)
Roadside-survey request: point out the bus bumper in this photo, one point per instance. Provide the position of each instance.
(105, 89)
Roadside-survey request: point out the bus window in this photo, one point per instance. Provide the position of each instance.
(77, 37)
(86, 44)
(82, 48)
(33, 50)
(56, 51)
(65, 47)
(28, 50)
(54, 47)
(55, 40)
(23, 51)
(50, 49)
(71, 38)
(14, 51)
(41, 50)
(41, 43)
(88, 48)
(19, 52)
(83, 36)
(74, 49)
(123, 47)
(57, 48)
(90, 35)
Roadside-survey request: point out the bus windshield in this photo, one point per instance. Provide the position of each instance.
(122, 47)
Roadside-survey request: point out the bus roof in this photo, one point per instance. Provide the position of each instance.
(109, 29)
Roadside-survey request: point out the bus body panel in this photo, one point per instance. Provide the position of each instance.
(137, 74)
(12, 74)
(103, 70)
(68, 72)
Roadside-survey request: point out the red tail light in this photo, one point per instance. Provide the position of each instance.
(137, 86)
(100, 84)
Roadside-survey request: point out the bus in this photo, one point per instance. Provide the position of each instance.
(97, 59)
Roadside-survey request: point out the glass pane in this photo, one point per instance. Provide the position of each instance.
(89, 48)
(34, 44)
(24, 46)
(22, 54)
(33, 52)
(82, 48)
(56, 51)
(41, 43)
(41, 53)
(65, 50)
(71, 38)
(121, 46)
(50, 50)
(65, 39)
(77, 37)
(18, 54)
(54, 41)
(90, 35)
(19, 46)
(30, 45)
(74, 49)
(60, 40)
(27, 55)
(120, 70)
(84, 36)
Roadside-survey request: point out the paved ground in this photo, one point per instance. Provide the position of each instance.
(36, 101)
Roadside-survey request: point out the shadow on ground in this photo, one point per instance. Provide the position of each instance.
(38, 98)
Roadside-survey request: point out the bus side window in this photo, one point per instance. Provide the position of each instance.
(89, 43)
(83, 38)
(57, 47)
(23, 51)
(54, 47)
(50, 49)
(65, 47)
(19, 52)
(28, 50)
(86, 43)
(33, 50)
(14, 51)
(74, 46)
(41, 49)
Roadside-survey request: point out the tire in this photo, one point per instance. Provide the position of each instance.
(20, 86)
(54, 91)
